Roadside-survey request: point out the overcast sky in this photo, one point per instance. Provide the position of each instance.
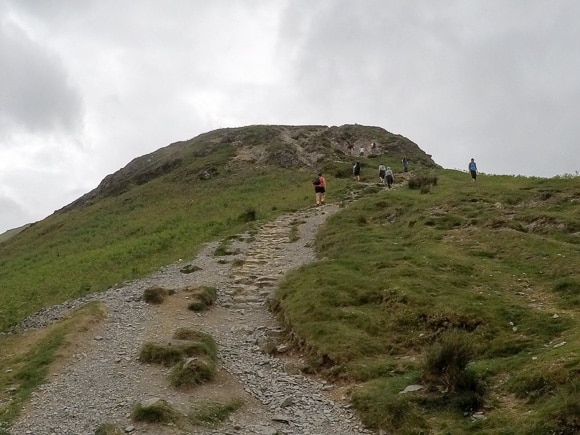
(88, 85)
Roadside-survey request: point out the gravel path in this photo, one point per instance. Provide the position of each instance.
(103, 380)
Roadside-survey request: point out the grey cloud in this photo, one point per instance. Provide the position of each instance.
(12, 215)
(35, 94)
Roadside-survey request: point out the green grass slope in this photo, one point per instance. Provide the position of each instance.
(471, 292)
(164, 205)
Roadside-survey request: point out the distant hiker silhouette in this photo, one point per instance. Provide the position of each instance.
(389, 179)
(382, 171)
(472, 170)
(405, 163)
(356, 171)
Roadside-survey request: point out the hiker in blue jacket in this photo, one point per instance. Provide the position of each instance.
(473, 170)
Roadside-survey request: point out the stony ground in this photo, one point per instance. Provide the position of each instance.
(103, 379)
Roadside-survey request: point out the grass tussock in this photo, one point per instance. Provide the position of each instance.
(193, 357)
(446, 372)
(155, 411)
(156, 295)
(212, 413)
(171, 353)
(202, 298)
(192, 371)
(422, 182)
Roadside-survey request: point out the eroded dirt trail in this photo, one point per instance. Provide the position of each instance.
(104, 379)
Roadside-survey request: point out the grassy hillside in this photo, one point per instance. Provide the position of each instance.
(471, 291)
(164, 205)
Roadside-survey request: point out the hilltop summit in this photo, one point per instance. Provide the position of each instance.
(299, 147)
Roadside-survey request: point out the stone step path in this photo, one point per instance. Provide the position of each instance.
(299, 404)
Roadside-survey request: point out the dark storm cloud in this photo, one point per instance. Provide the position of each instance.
(35, 94)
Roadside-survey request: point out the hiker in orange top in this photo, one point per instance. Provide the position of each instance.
(320, 189)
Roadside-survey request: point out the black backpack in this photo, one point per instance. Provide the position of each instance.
(316, 181)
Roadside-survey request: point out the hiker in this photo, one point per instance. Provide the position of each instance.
(349, 147)
(361, 151)
(389, 179)
(356, 171)
(405, 163)
(319, 189)
(473, 170)
(382, 170)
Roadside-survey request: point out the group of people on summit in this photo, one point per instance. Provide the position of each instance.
(385, 174)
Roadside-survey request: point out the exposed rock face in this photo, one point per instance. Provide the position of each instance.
(264, 145)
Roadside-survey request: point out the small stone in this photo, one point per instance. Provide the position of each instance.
(288, 401)
(281, 418)
(411, 388)
(559, 344)
(129, 429)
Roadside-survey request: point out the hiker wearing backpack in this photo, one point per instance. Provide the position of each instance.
(319, 183)
(472, 170)
(389, 179)
(382, 171)
(356, 171)
(405, 162)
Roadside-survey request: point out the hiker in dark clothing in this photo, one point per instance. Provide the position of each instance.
(389, 179)
(356, 171)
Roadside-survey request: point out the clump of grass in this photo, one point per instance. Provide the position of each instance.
(423, 181)
(155, 295)
(222, 250)
(108, 429)
(202, 298)
(170, 354)
(155, 411)
(446, 366)
(539, 382)
(212, 413)
(561, 414)
(382, 407)
(193, 371)
(569, 290)
(191, 335)
(249, 215)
